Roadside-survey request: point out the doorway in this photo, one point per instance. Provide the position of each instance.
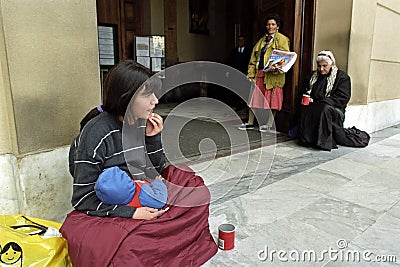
(297, 23)
(297, 18)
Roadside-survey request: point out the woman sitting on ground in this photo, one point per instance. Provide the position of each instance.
(111, 234)
(329, 89)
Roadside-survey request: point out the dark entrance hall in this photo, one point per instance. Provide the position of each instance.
(239, 17)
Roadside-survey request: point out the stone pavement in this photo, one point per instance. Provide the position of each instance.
(316, 208)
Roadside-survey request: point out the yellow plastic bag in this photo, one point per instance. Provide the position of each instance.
(29, 241)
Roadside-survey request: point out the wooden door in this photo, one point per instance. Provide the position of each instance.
(128, 16)
(171, 32)
(297, 24)
(131, 25)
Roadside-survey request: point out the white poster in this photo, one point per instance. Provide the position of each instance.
(156, 64)
(142, 46)
(145, 61)
(157, 46)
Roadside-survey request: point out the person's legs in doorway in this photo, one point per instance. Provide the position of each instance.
(269, 127)
(249, 125)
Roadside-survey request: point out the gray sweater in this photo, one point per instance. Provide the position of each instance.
(99, 146)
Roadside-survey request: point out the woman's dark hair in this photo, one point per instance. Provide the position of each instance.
(120, 85)
(273, 16)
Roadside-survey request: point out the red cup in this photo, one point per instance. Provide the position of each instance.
(305, 100)
(226, 236)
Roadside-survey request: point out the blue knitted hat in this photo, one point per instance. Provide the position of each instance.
(115, 187)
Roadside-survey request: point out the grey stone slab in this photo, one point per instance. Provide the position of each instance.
(46, 185)
(392, 141)
(346, 167)
(356, 256)
(234, 167)
(337, 217)
(382, 176)
(228, 258)
(319, 180)
(366, 157)
(275, 201)
(396, 136)
(382, 239)
(293, 166)
(385, 133)
(370, 195)
(229, 212)
(288, 236)
(395, 210)
(392, 166)
(383, 150)
(290, 150)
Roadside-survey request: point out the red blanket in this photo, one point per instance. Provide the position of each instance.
(180, 237)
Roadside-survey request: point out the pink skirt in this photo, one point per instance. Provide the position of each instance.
(266, 98)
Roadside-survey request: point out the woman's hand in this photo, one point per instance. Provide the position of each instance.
(146, 213)
(159, 177)
(154, 124)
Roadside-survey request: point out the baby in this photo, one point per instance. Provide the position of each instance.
(115, 187)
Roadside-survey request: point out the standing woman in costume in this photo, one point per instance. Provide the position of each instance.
(321, 121)
(269, 94)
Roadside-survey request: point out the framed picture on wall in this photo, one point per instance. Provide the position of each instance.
(198, 15)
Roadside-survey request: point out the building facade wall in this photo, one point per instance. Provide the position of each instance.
(332, 32)
(364, 40)
(197, 46)
(374, 64)
(52, 58)
(49, 80)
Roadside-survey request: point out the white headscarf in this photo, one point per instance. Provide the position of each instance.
(327, 56)
(330, 59)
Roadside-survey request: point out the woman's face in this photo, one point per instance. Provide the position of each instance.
(144, 104)
(271, 26)
(323, 67)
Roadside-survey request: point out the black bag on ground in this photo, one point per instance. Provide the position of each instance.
(355, 137)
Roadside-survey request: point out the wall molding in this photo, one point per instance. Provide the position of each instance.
(373, 116)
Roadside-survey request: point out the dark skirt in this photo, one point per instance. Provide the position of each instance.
(320, 126)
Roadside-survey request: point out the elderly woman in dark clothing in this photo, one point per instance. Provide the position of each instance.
(321, 121)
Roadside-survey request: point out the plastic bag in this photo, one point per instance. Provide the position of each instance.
(29, 241)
